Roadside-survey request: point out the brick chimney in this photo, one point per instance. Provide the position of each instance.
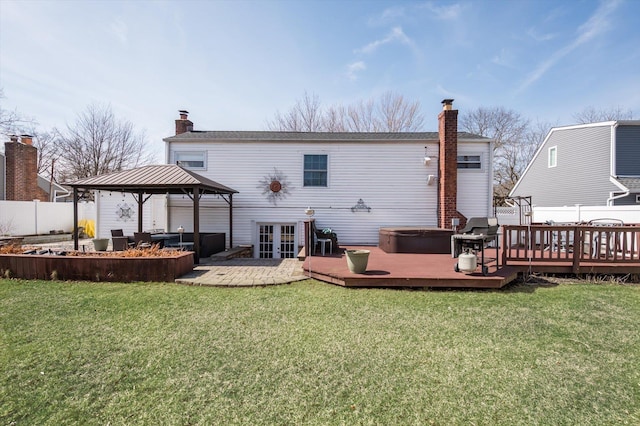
(22, 170)
(448, 166)
(183, 124)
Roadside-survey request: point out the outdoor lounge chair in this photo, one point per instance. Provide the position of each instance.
(120, 241)
(323, 237)
(142, 239)
(476, 235)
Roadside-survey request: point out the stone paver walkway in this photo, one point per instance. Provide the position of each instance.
(244, 272)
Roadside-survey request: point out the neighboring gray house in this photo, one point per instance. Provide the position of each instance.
(594, 164)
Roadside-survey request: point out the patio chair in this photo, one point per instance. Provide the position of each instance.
(117, 233)
(605, 241)
(120, 241)
(142, 239)
(323, 237)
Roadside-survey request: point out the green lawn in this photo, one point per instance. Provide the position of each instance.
(312, 353)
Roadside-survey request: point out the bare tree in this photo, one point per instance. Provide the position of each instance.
(389, 113)
(99, 143)
(48, 151)
(399, 115)
(514, 143)
(592, 115)
(12, 122)
(305, 116)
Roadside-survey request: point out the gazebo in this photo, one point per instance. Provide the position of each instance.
(145, 181)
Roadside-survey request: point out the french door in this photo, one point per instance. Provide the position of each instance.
(277, 241)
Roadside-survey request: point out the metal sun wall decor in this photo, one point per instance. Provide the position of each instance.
(275, 186)
(124, 212)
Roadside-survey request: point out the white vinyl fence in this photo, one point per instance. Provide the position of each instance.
(578, 213)
(18, 218)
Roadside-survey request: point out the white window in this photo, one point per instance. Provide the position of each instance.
(315, 170)
(553, 156)
(470, 161)
(192, 160)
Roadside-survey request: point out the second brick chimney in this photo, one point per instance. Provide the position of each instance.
(448, 166)
(22, 170)
(183, 124)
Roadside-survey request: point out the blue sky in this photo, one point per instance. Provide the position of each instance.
(234, 64)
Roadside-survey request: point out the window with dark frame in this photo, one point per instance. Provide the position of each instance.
(315, 170)
(470, 162)
(191, 160)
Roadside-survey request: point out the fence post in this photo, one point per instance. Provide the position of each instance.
(578, 242)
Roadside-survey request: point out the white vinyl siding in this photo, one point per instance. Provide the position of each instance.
(473, 184)
(390, 177)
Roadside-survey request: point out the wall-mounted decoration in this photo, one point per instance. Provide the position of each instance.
(125, 212)
(361, 207)
(275, 186)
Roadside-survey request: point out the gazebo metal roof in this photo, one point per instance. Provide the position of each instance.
(158, 179)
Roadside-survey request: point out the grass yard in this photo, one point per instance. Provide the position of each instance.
(315, 354)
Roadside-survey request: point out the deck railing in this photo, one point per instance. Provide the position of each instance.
(571, 243)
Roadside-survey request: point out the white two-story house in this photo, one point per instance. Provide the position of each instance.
(355, 183)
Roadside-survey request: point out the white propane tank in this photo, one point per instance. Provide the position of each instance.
(467, 262)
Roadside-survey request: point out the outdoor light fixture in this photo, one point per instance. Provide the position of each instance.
(431, 179)
(310, 212)
(180, 231)
(427, 158)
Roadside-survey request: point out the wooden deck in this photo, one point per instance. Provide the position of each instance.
(406, 270)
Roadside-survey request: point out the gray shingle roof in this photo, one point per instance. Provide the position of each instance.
(631, 183)
(152, 179)
(271, 136)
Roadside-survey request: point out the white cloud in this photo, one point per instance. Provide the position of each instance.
(120, 30)
(597, 24)
(504, 58)
(396, 35)
(444, 13)
(354, 68)
(540, 37)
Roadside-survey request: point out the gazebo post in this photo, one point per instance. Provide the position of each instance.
(75, 219)
(196, 224)
(140, 203)
(230, 221)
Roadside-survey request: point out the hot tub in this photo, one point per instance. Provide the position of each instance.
(407, 239)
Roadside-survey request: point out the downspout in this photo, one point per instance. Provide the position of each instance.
(56, 196)
(615, 197)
